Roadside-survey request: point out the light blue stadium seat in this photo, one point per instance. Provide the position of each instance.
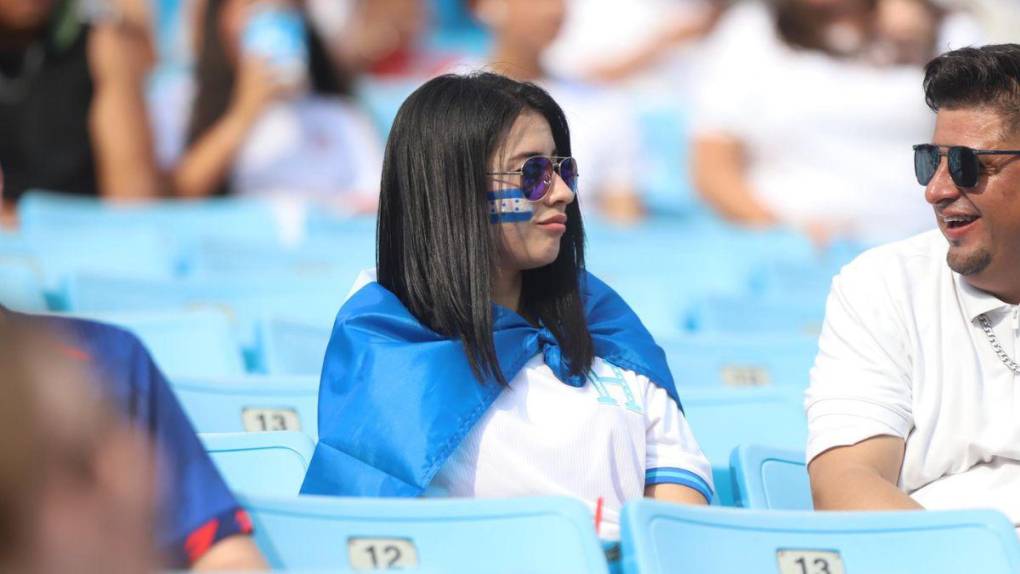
(812, 277)
(250, 404)
(659, 538)
(291, 347)
(722, 419)
(246, 300)
(120, 252)
(535, 535)
(739, 360)
(753, 314)
(21, 287)
(261, 463)
(186, 343)
(768, 478)
(338, 259)
(182, 222)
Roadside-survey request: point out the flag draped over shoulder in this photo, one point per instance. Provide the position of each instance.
(396, 398)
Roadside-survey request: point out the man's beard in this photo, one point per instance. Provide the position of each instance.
(969, 264)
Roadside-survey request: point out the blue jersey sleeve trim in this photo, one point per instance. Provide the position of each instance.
(683, 477)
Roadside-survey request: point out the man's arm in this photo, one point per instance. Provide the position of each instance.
(862, 476)
(236, 553)
(720, 176)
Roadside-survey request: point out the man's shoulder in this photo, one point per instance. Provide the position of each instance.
(107, 347)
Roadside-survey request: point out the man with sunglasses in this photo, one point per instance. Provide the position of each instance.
(914, 393)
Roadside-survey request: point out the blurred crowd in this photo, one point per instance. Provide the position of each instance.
(787, 112)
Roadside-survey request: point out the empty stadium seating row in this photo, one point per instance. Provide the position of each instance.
(204, 341)
(769, 416)
(256, 259)
(557, 534)
(273, 463)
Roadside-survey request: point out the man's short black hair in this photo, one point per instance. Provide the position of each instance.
(985, 77)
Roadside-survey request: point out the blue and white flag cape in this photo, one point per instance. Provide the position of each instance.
(396, 398)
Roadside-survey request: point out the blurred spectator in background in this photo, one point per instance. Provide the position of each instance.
(808, 111)
(999, 19)
(602, 128)
(601, 42)
(381, 38)
(271, 114)
(103, 497)
(20, 462)
(76, 485)
(72, 109)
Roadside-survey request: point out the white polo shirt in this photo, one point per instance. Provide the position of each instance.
(607, 439)
(902, 353)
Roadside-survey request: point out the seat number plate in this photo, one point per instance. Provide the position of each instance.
(382, 553)
(745, 376)
(259, 420)
(810, 562)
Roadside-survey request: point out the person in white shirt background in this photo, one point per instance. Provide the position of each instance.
(606, 138)
(913, 399)
(806, 109)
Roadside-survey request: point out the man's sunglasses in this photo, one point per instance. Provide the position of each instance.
(537, 175)
(964, 166)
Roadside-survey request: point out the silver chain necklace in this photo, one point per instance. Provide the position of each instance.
(987, 326)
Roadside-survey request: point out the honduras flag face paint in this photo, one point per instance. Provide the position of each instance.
(509, 206)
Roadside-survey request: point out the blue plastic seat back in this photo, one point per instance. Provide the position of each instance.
(337, 259)
(768, 478)
(262, 463)
(536, 535)
(660, 538)
(251, 404)
(752, 314)
(186, 343)
(722, 419)
(21, 286)
(740, 360)
(810, 278)
(118, 251)
(183, 223)
(292, 347)
(246, 300)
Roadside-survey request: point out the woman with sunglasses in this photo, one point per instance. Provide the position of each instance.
(485, 361)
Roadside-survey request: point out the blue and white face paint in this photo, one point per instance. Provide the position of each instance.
(509, 206)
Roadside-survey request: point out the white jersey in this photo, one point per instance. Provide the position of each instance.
(606, 440)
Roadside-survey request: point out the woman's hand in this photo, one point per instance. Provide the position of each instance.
(257, 86)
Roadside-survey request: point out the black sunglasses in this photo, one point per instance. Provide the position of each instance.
(964, 166)
(537, 174)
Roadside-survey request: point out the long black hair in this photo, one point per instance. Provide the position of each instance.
(437, 251)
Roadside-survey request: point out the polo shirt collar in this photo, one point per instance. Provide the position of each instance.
(975, 301)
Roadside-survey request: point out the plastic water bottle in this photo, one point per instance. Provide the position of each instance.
(277, 34)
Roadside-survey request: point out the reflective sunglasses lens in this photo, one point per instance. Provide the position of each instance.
(964, 166)
(926, 163)
(568, 173)
(536, 177)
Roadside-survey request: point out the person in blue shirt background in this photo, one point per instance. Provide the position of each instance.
(86, 375)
